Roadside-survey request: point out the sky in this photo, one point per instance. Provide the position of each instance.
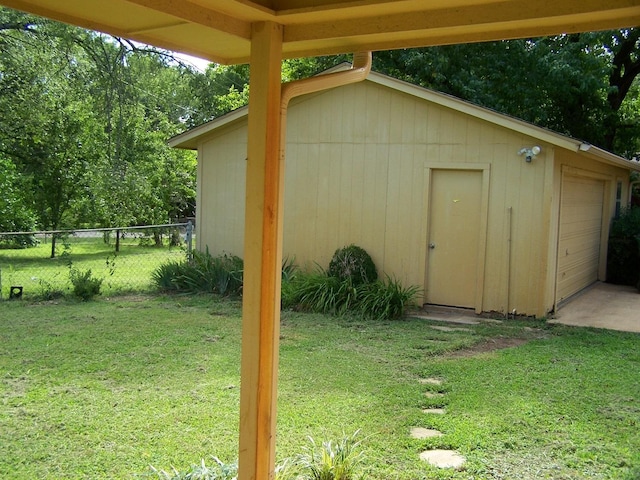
(198, 63)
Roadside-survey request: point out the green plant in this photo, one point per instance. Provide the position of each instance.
(385, 299)
(203, 273)
(316, 292)
(165, 276)
(623, 257)
(48, 291)
(322, 293)
(217, 471)
(85, 285)
(353, 263)
(332, 460)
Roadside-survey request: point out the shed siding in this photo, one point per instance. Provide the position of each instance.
(356, 171)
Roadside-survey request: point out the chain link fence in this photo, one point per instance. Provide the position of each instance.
(38, 265)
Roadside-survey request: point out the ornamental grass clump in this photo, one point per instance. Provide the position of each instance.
(204, 273)
(350, 285)
(337, 460)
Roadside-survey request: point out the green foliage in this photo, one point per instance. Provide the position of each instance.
(164, 277)
(623, 257)
(85, 285)
(385, 299)
(332, 460)
(15, 211)
(203, 273)
(353, 263)
(318, 292)
(322, 293)
(216, 471)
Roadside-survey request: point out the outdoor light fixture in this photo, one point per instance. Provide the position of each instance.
(530, 153)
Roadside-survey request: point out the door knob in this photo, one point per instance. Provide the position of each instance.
(432, 246)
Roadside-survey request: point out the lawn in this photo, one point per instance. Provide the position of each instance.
(128, 270)
(104, 389)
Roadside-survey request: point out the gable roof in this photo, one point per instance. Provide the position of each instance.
(191, 138)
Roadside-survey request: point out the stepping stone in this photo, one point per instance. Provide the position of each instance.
(436, 411)
(443, 458)
(420, 433)
(442, 328)
(430, 381)
(433, 394)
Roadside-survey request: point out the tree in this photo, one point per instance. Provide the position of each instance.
(86, 119)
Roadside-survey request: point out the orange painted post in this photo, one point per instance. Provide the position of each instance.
(262, 258)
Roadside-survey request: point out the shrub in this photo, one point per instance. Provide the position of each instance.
(318, 292)
(353, 263)
(204, 273)
(623, 258)
(217, 471)
(164, 277)
(332, 460)
(385, 299)
(85, 286)
(322, 293)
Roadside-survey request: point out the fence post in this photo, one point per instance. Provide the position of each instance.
(189, 239)
(117, 240)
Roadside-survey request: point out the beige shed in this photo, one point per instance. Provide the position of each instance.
(443, 194)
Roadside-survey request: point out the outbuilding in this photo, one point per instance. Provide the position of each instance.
(481, 210)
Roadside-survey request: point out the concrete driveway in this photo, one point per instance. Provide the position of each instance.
(603, 305)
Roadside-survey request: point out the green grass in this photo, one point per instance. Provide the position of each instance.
(129, 270)
(105, 389)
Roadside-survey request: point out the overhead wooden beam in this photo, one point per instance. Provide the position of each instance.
(262, 258)
(198, 15)
(523, 14)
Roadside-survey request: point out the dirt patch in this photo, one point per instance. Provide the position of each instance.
(496, 343)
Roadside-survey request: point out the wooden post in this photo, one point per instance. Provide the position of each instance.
(262, 258)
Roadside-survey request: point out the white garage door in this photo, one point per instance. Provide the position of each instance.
(581, 213)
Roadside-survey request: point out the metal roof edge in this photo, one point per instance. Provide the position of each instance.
(188, 140)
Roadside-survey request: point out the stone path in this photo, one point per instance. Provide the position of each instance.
(436, 457)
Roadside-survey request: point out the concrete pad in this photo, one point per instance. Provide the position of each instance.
(435, 411)
(443, 458)
(615, 307)
(430, 381)
(420, 433)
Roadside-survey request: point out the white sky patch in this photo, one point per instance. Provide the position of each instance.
(197, 63)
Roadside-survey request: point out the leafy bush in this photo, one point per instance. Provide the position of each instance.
(85, 286)
(385, 299)
(337, 460)
(322, 293)
(353, 263)
(218, 471)
(166, 275)
(204, 273)
(623, 258)
(318, 292)
(332, 460)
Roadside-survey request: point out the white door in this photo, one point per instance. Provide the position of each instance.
(455, 216)
(579, 243)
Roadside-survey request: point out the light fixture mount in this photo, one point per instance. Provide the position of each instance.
(530, 152)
